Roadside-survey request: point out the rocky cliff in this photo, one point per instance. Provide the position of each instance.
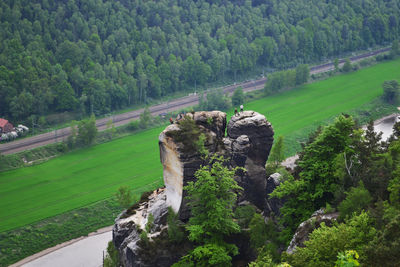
(247, 144)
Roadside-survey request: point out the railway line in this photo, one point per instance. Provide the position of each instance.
(173, 105)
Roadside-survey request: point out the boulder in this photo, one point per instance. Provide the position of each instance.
(305, 228)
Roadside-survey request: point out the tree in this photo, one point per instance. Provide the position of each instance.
(87, 131)
(336, 64)
(145, 119)
(347, 65)
(391, 91)
(238, 97)
(124, 196)
(325, 243)
(316, 184)
(302, 74)
(211, 199)
(395, 50)
(277, 154)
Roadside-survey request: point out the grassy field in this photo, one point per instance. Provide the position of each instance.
(78, 179)
(86, 176)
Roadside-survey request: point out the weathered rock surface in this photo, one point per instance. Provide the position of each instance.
(306, 227)
(273, 205)
(247, 144)
(127, 229)
(249, 141)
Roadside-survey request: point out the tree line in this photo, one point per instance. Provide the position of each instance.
(97, 56)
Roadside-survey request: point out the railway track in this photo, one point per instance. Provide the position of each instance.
(173, 105)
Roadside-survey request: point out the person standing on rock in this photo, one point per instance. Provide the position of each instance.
(241, 108)
(171, 120)
(236, 112)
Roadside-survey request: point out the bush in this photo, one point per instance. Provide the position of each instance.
(124, 196)
(391, 91)
(244, 214)
(238, 97)
(357, 199)
(112, 257)
(325, 243)
(175, 232)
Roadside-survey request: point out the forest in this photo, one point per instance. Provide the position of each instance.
(97, 56)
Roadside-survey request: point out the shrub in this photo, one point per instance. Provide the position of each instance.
(175, 231)
(357, 199)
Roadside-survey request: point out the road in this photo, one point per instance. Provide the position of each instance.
(84, 251)
(173, 105)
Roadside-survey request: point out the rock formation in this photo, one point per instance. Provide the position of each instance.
(247, 144)
(273, 205)
(306, 227)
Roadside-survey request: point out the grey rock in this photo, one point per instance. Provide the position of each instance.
(305, 228)
(273, 205)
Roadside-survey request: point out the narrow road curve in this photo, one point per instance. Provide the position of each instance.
(173, 105)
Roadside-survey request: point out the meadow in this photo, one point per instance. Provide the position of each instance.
(80, 178)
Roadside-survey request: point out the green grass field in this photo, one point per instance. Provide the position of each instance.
(86, 176)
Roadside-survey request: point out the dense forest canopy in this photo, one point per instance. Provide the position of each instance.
(101, 55)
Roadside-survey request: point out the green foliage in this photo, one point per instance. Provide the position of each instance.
(101, 56)
(336, 64)
(395, 50)
(110, 129)
(215, 100)
(238, 97)
(394, 188)
(124, 196)
(276, 156)
(347, 259)
(264, 259)
(287, 79)
(87, 131)
(391, 91)
(189, 134)
(211, 199)
(145, 119)
(302, 74)
(258, 231)
(325, 243)
(384, 249)
(210, 254)
(357, 199)
(175, 232)
(144, 238)
(150, 223)
(316, 184)
(244, 214)
(112, 257)
(347, 66)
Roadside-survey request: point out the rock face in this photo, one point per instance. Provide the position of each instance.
(247, 144)
(306, 227)
(249, 141)
(128, 226)
(273, 205)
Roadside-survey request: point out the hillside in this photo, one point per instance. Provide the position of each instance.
(99, 56)
(83, 177)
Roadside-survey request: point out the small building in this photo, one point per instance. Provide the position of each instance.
(5, 126)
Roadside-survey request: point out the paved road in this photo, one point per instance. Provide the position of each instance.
(173, 105)
(85, 251)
